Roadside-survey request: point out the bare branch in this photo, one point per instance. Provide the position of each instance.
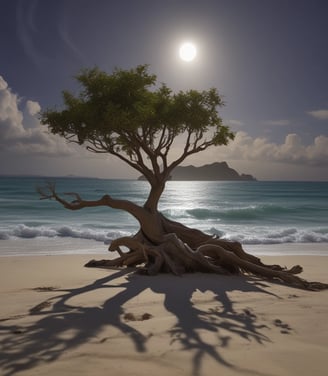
(46, 192)
(49, 192)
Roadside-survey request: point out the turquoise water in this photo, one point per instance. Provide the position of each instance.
(250, 212)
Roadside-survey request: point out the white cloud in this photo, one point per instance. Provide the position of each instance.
(33, 107)
(292, 150)
(319, 114)
(3, 84)
(21, 132)
(281, 122)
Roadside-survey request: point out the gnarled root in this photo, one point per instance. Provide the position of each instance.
(286, 276)
(195, 238)
(172, 255)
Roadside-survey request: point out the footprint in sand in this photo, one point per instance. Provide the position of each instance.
(132, 317)
(285, 328)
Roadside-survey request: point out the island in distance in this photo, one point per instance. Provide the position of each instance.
(209, 172)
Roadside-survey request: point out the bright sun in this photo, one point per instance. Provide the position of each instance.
(187, 51)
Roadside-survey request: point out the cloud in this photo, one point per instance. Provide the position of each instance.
(292, 150)
(21, 131)
(3, 84)
(32, 107)
(277, 122)
(319, 114)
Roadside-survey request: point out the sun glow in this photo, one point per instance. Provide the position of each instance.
(187, 51)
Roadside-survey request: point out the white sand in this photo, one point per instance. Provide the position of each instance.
(107, 322)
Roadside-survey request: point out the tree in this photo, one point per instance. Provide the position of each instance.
(126, 115)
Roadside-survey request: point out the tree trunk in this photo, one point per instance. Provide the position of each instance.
(154, 195)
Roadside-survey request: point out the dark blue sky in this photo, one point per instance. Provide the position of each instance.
(269, 59)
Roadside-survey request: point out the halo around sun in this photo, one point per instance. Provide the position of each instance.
(187, 51)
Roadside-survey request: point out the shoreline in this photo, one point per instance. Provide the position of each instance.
(67, 246)
(59, 318)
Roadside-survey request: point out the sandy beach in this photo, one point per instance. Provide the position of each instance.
(59, 318)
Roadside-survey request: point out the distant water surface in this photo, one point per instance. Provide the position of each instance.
(250, 212)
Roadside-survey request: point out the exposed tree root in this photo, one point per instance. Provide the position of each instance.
(173, 255)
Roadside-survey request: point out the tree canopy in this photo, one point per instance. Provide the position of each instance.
(127, 114)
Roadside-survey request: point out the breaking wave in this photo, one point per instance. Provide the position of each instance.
(243, 234)
(278, 236)
(28, 232)
(243, 213)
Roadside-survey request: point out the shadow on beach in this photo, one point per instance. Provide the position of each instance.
(46, 338)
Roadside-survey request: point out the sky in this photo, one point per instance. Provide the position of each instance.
(267, 58)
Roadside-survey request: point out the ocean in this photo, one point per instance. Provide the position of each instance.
(254, 212)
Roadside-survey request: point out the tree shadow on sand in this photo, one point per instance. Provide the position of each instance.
(61, 326)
